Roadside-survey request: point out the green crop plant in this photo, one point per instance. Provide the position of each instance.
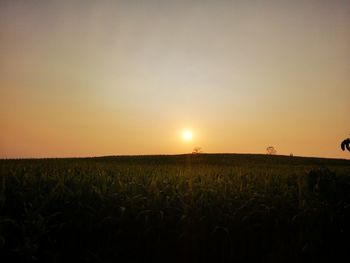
(185, 208)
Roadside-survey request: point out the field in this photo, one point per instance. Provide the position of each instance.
(183, 208)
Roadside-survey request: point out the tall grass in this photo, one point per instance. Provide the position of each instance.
(189, 208)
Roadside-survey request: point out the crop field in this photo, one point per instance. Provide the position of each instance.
(181, 208)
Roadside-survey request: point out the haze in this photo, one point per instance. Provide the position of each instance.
(90, 78)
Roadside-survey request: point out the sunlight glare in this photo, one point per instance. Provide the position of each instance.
(187, 135)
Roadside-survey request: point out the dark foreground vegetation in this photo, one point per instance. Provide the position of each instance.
(186, 208)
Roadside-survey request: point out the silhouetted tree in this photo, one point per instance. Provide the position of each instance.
(271, 150)
(345, 144)
(197, 150)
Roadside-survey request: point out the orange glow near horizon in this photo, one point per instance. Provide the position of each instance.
(80, 78)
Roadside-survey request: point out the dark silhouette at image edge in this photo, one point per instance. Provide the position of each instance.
(345, 144)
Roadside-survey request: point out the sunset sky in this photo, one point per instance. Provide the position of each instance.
(91, 78)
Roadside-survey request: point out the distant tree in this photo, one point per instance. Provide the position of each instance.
(271, 150)
(197, 150)
(345, 144)
(291, 154)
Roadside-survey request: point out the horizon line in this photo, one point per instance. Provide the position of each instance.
(168, 154)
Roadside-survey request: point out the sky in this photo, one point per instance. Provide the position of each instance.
(92, 78)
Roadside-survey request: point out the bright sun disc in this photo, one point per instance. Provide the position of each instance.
(187, 135)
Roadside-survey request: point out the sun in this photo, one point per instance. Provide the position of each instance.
(187, 135)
